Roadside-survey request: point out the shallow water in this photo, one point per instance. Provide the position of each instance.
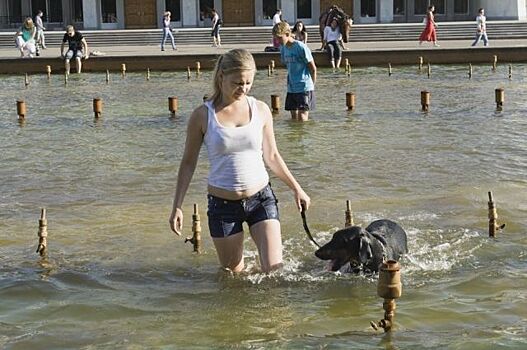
(117, 278)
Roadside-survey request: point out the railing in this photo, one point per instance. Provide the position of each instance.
(11, 21)
(15, 22)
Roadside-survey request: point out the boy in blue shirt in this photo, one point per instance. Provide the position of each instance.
(301, 73)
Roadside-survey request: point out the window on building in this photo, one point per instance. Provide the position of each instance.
(109, 11)
(15, 11)
(174, 6)
(440, 6)
(269, 8)
(421, 6)
(303, 8)
(367, 8)
(37, 5)
(399, 7)
(461, 7)
(55, 11)
(77, 11)
(205, 8)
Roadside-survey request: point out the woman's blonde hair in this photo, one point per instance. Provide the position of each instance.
(28, 23)
(233, 61)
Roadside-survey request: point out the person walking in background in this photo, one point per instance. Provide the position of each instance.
(481, 30)
(40, 40)
(301, 73)
(429, 33)
(167, 31)
(277, 18)
(333, 42)
(299, 32)
(25, 38)
(77, 47)
(237, 130)
(216, 24)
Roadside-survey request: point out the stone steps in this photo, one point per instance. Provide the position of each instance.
(262, 35)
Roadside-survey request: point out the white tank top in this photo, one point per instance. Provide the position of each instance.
(235, 153)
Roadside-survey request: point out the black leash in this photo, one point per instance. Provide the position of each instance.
(304, 221)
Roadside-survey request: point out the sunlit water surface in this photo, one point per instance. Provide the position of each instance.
(116, 277)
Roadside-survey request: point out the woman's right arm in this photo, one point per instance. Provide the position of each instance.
(195, 133)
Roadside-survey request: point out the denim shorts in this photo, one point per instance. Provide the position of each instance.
(304, 101)
(73, 53)
(226, 217)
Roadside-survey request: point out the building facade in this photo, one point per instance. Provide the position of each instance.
(134, 14)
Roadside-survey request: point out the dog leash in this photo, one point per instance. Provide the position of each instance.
(304, 221)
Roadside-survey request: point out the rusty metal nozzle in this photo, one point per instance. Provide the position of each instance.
(42, 233)
(196, 231)
(390, 288)
(493, 218)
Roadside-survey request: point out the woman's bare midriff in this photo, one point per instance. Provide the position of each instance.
(234, 195)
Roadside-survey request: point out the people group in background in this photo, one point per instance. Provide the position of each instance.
(25, 39)
(30, 38)
(216, 24)
(77, 48)
(301, 72)
(429, 33)
(167, 31)
(481, 28)
(332, 43)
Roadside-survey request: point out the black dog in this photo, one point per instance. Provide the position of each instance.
(381, 240)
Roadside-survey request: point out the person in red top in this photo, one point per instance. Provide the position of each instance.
(429, 33)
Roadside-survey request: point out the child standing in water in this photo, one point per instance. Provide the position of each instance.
(301, 73)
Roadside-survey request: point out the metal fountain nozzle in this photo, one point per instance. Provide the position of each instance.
(390, 288)
(196, 231)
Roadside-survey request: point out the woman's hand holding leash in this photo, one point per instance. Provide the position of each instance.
(304, 222)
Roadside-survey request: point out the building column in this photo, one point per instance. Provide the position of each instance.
(120, 13)
(522, 10)
(90, 15)
(189, 13)
(504, 9)
(385, 11)
(288, 11)
(26, 9)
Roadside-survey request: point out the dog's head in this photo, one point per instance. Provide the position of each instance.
(352, 244)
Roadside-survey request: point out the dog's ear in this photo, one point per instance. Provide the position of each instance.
(365, 253)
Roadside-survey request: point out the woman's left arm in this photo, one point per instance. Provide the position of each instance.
(433, 20)
(274, 160)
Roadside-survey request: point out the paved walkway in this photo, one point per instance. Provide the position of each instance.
(127, 51)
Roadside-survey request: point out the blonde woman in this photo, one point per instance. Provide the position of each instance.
(25, 38)
(237, 130)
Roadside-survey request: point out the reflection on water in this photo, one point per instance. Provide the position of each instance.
(116, 277)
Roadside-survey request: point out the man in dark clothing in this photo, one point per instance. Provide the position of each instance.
(77, 47)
